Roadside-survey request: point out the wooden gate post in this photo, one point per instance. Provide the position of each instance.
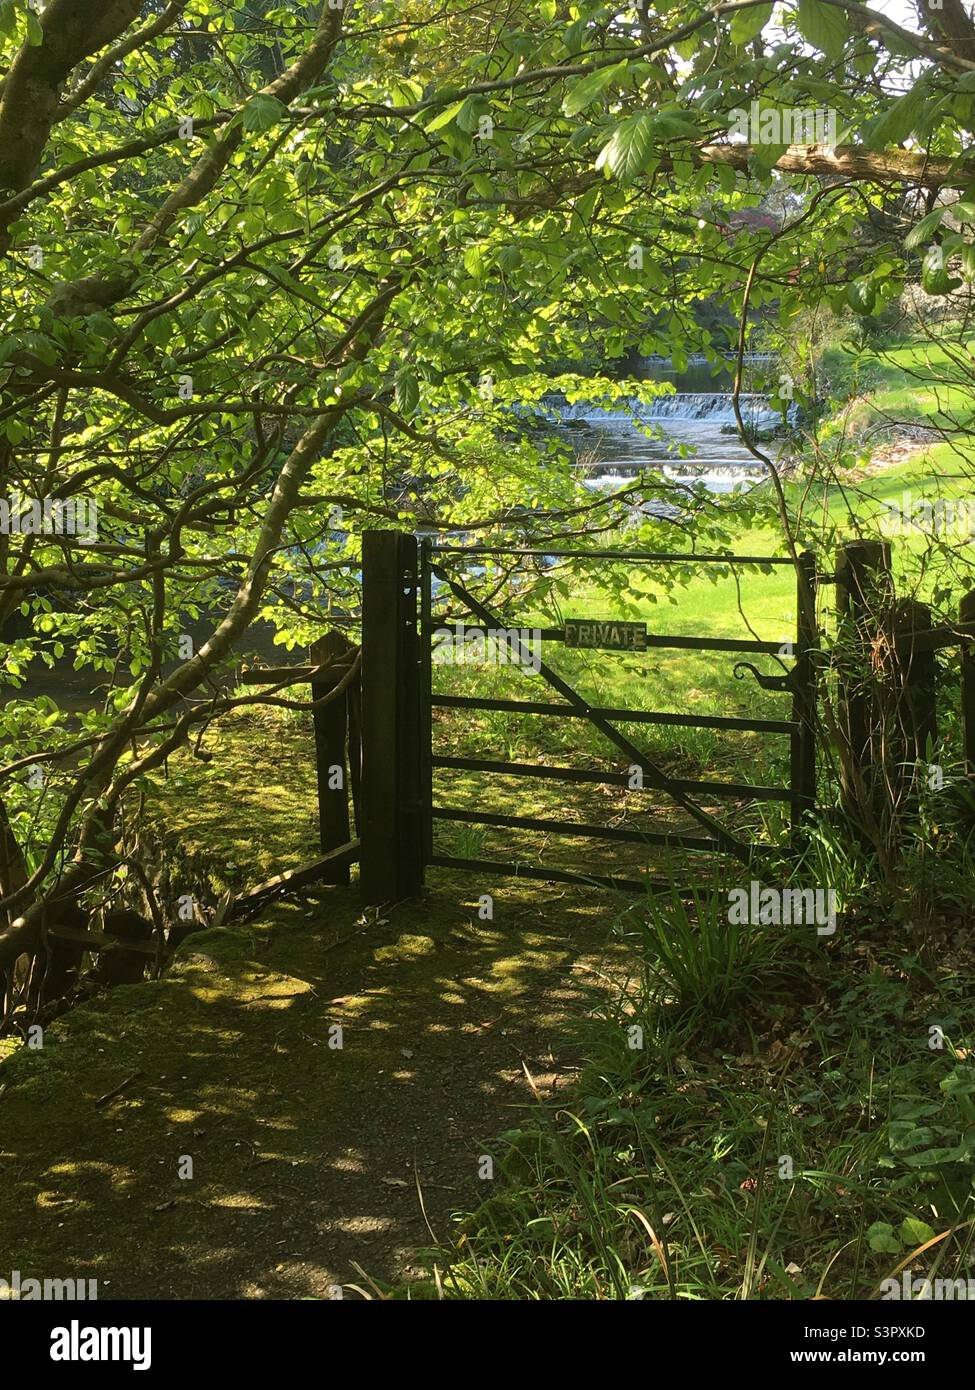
(391, 862)
(966, 614)
(863, 592)
(915, 674)
(331, 726)
(805, 701)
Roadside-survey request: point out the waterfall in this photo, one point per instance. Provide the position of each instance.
(714, 406)
(689, 436)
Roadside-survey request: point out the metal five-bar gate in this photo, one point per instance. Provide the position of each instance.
(402, 579)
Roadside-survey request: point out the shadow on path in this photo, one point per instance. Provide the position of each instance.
(306, 1156)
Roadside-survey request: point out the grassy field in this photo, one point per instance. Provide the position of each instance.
(707, 602)
(906, 382)
(660, 679)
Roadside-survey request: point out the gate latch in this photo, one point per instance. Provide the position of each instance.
(786, 682)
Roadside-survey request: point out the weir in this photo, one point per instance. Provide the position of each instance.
(689, 436)
(713, 406)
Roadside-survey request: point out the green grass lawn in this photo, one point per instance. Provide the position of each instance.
(907, 382)
(710, 602)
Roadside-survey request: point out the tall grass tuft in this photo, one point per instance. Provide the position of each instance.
(703, 967)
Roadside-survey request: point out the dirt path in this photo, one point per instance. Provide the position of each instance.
(305, 1156)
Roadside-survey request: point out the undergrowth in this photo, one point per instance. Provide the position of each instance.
(765, 1113)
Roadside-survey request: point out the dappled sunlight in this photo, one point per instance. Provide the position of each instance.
(305, 1156)
(487, 652)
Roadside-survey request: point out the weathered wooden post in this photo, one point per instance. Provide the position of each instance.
(915, 679)
(966, 616)
(391, 863)
(355, 746)
(863, 595)
(331, 725)
(804, 702)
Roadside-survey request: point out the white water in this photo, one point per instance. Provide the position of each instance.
(681, 436)
(715, 406)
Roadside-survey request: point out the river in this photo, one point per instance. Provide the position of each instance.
(691, 433)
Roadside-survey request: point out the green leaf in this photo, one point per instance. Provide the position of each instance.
(203, 106)
(669, 123)
(763, 158)
(961, 1082)
(407, 392)
(35, 34)
(936, 280)
(861, 296)
(934, 1158)
(748, 23)
(824, 26)
(574, 37)
(915, 1232)
(8, 17)
(263, 112)
(446, 116)
(881, 1237)
(924, 228)
(726, 177)
(898, 121)
(584, 92)
(101, 324)
(474, 261)
(470, 113)
(629, 150)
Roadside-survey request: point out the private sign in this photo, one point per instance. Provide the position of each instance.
(608, 636)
